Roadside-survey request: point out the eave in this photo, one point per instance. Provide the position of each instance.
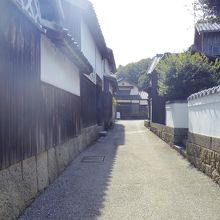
(113, 81)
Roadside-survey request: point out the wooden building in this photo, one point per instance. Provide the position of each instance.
(53, 63)
(131, 103)
(207, 39)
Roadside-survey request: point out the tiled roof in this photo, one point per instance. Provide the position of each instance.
(208, 27)
(206, 92)
(112, 78)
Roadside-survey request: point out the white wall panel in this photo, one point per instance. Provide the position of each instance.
(91, 51)
(204, 115)
(57, 69)
(177, 115)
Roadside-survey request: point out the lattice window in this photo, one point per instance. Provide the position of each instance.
(31, 7)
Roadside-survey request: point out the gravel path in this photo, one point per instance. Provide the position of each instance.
(141, 178)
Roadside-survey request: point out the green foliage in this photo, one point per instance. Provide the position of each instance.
(210, 9)
(181, 75)
(144, 81)
(133, 71)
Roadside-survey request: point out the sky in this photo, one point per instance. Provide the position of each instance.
(143, 28)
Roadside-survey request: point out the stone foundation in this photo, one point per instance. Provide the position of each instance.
(22, 182)
(204, 153)
(173, 136)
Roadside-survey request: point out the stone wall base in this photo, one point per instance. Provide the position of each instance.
(22, 182)
(173, 136)
(204, 153)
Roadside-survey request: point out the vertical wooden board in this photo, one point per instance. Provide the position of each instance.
(88, 102)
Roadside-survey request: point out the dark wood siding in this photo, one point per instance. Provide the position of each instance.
(19, 83)
(60, 115)
(211, 43)
(33, 115)
(132, 111)
(107, 108)
(88, 102)
(158, 111)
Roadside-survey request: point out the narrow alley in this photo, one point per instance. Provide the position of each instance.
(129, 174)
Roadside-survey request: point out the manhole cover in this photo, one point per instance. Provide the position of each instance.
(93, 159)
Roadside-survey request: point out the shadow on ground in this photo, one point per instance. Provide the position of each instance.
(79, 193)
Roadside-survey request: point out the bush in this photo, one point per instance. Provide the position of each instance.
(180, 75)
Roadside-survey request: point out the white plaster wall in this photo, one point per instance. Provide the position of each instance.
(99, 64)
(135, 101)
(134, 91)
(91, 51)
(177, 115)
(123, 101)
(143, 102)
(204, 115)
(57, 69)
(107, 68)
(87, 44)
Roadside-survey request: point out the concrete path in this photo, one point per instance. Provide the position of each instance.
(141, 178)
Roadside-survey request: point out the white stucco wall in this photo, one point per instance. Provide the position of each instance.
(177, 115)
(134, 91)
(143, 102)
(123, 101)
(106, 67)
(91, 51)
(57, 69)
(204, 115)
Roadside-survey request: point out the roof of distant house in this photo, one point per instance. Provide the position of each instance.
(127, 81)
(208, 27)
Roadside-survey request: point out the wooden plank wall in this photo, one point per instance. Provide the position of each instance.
(33, 115)
(88, 102)
(19, 80)
(107, 108)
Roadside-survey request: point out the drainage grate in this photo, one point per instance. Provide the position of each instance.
(93, 159)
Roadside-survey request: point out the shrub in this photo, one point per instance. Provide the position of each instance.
(180, 75)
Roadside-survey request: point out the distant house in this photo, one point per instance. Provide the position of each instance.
(207, 39)
(131, 103)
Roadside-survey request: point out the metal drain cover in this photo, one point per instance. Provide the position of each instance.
(93, 159)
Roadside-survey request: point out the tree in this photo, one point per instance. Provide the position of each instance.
(210, 9)
(132, 71)
(180, 75)
(144, 81)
